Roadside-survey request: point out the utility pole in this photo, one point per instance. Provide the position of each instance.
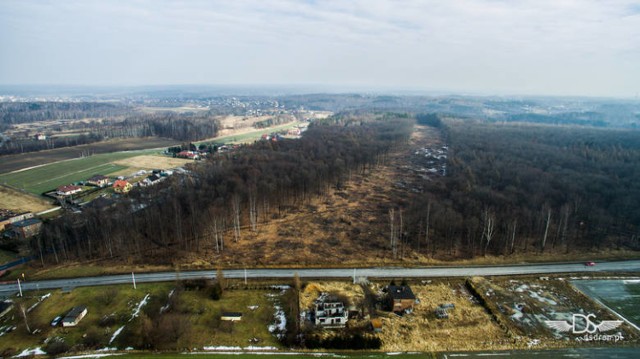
(133, 277)
(245, 276)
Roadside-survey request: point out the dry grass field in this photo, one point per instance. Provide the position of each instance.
(19, 201)
(313, 290)
(469, 326)
(148, 162)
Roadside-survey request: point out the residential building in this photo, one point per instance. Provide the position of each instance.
(122, 186)
(68, 190)
(26, 228)
(188, 154)
(400, 298)
(330, 312)
(11, 217)
(98, 180)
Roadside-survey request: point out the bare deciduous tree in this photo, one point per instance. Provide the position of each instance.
(489, 223)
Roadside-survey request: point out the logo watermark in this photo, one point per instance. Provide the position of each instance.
(582, 324)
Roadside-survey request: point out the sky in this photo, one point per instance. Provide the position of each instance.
(521, 47)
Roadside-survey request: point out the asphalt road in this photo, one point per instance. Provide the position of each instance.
(425, 272)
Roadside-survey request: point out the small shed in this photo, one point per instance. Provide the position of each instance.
(231, 316)
(74, 316)
(376, 325)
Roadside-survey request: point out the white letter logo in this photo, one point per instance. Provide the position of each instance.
(583, 324)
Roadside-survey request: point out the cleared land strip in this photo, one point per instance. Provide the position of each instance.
(603, 267)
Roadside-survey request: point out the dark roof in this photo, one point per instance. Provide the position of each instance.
(26, 222)
(4, 305)
(401, 292)
(74, 312)
(231, 314)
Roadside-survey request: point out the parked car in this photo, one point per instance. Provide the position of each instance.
(56, 321)
(590, 264)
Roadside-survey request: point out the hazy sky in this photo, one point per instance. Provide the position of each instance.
(565, 47)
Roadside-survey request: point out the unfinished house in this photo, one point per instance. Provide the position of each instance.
(330, 312)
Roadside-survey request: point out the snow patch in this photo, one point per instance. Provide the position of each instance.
(38, 302)
(251, 347)
(522, 288)
(280, 325)
(115, 334)
(221, 347)
(29, 352)
(142, 303)
(535, 295)
(89, 356)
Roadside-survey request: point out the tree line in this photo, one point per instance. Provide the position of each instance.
(178, 126)
(26, 112)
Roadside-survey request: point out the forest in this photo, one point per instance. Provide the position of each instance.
(509, 188)
(25, 112)
(514, 188)
(179, 126)
(257, 182)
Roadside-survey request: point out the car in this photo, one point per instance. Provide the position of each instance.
(590, 264)
(56, 321)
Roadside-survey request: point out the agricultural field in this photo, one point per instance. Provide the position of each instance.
(287, 355)
(16, 162)
(246, 135)
(45, 178)
(164, 316)
(148, 162)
